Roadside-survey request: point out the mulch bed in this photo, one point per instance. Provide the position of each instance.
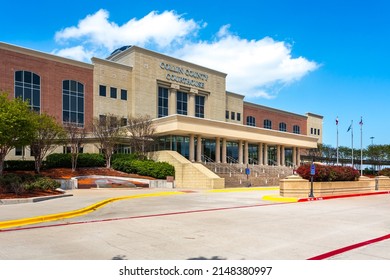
(66, 173)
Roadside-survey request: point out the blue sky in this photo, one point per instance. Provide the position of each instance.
(326, 57)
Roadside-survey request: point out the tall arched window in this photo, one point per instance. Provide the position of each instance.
(251, 121)
(296, 129)
(28, 88)
(73, 102)
(268, 124)
(282, 127)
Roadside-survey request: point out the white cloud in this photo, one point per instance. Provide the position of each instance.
(255, 68)
(159, 29)
(77, 52)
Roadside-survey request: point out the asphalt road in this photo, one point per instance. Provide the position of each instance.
(200, 225)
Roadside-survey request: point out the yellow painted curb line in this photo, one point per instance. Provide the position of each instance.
(75, 213)
(275, 198)
(244, 189)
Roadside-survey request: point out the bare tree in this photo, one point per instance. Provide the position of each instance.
(45, 138)
(142, 134)
(107, 131)
(75, 138)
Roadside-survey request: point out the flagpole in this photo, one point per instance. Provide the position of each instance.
(361, 146)
(352, 140)
(337, 141)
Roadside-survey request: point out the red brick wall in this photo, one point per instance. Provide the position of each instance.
(276, 117)
(52, 74)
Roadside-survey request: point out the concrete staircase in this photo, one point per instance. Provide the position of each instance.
(260, 175)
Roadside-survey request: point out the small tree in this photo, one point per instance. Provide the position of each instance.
(107, 131)
(45, 138)
(16, 125)
(141, 132)
(74, 137)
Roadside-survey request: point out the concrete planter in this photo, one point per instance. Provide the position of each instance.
(295, 186)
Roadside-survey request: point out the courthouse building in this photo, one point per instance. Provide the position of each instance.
(193, 111)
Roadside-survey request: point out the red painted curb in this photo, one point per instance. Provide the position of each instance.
(340, 196)
(349, 248)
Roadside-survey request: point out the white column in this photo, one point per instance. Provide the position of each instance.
(260, 153)
(283, 156)
(224, 148)
(278, 155)
(246, 152)
(265, 154)
(217, 150)
(240, 161)
(199, 149)
(192, 148)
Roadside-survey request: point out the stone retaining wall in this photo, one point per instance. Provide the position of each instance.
(295, 186)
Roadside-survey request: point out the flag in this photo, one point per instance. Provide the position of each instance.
(349, 128)
(337, 121)
(361, 121)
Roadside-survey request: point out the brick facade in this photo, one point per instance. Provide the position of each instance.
(52, 72)
(262, 113)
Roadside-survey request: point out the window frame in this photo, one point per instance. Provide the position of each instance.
(267, 123)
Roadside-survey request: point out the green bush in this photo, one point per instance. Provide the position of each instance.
(158, 170)
(91, 160)
(43, 184)
(13, 165)
(83, 160)
(11, 183)
(58, 160)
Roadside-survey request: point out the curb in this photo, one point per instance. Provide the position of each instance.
(341, 196)
(75, 213)
(276, 198)
(32, 199)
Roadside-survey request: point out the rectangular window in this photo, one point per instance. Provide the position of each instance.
(318, 131)
(239, 117)
(199, 106)
(233, 115)
(311, 131)
(162, 102)
(181, 103)
(102, 90)
(123, 94)
(123, 121)
(227, 114)
(113, 92)
(19, 151)
(102, 119)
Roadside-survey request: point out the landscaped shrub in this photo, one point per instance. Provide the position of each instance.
(158, 170)
(83, 160)
(327, 173)
(42, 184)
(11, 183)
(20, 183)
(58, 160)
(384, 172)
(91, 160)
(13, 165)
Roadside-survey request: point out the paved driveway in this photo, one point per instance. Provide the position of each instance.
(195, 225)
